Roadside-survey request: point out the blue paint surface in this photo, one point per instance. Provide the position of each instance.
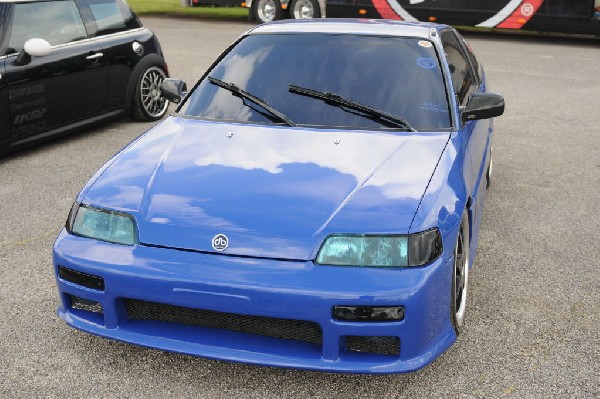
(277, 192)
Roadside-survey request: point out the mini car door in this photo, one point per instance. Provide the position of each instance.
(4, 106)
(118, 32)
(62, 87)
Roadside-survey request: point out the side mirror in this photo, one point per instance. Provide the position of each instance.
(173, 90)
(482, 106)
(36, 47)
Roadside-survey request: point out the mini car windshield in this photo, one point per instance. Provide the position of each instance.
(397, 76)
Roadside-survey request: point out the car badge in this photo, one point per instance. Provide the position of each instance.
(220, 242)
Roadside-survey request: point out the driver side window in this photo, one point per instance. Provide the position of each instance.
(57, 22)
(463, 78)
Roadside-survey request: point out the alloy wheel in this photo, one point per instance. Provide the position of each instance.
(153, 102)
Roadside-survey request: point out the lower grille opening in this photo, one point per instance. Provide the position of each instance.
(85, 304)
(377, 345)
(298, 330)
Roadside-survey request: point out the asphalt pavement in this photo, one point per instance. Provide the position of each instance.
(532, 325)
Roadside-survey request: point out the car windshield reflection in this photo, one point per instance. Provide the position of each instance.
(397, 76)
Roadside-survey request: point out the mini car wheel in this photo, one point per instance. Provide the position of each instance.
(460, 276)
(267, 10)
(305, 9)
(148, 104)
(488, 175)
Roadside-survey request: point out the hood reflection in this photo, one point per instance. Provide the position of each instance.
(274, 191)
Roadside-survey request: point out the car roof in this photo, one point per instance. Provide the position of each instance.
(352, 26)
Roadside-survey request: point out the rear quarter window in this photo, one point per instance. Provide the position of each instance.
(107, 16)
(104, 17)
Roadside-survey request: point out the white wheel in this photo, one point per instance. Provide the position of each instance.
(488, 175)
(305, 9)
(267, 10)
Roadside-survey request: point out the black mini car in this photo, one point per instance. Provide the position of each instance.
(67, 64)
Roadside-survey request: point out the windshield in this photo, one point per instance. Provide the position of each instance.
(399, 76)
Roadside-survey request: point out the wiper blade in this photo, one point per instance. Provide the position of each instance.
(236, 91)
(336, 99)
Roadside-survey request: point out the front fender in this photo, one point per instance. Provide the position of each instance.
(446, 196)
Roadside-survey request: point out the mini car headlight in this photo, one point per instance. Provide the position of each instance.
(102, 224)
(380, 250)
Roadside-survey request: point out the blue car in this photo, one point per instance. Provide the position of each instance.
(314, 202)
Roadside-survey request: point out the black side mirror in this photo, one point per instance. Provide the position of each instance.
(173, 90)
(482, 106)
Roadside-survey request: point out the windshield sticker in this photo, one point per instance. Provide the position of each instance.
(432, 107)
(426, 62)
(424, 43)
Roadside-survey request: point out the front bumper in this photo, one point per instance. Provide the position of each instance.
(257, 288)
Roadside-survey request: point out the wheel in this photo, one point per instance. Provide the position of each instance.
(488, 175)
(460, 276)
(305, 9)
(147, 103)
(267, 10)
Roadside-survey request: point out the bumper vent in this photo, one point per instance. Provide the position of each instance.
(378, 345)
(79, 278)
(259, 325)
(85, 304)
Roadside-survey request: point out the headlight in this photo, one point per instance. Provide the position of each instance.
(102, 224)
(380, 250)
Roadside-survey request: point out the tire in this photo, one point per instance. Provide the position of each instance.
(267, 10)
(147, 103)
(251, 16)
(460, 277)
(488, 175)
(305, 9)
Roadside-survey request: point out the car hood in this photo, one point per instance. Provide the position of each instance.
(275, 192)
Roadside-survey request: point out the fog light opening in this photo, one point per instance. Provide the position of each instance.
(79, 278)
(379, 345)
(85, 304)
(368, 313)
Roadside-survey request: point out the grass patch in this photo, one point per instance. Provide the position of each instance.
(172, 8)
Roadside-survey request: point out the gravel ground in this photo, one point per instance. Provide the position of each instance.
(533, 311)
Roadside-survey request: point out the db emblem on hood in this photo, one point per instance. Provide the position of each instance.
(220, 242)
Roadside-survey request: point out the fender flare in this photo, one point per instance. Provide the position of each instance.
(138, 70)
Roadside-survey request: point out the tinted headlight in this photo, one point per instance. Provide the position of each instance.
(102, 224)
(380, 250)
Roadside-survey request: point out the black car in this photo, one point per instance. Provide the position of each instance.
(67, 64)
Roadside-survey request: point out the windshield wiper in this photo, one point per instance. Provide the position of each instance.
(332, 98)
(236, 91)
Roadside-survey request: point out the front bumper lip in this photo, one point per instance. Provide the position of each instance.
(289, 290)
